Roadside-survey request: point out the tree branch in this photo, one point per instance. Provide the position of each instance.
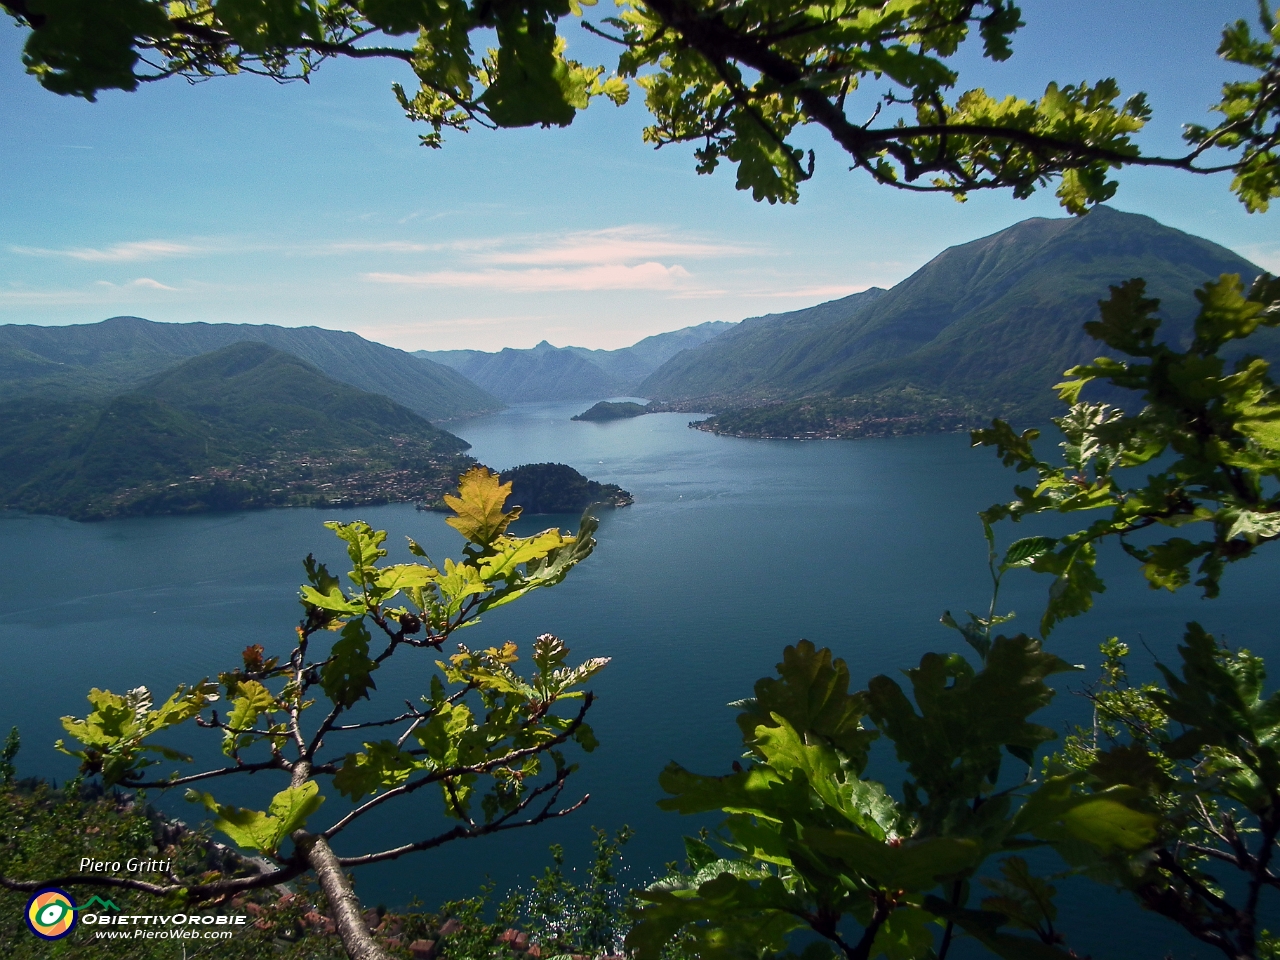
(715, 39)
(343, 903)
(460, 832)
(206, 775)
(195, 891)
(437, 775)
(862, 949)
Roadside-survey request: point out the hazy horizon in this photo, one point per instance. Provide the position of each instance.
(558, 346)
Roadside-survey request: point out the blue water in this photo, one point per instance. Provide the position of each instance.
(732, 549)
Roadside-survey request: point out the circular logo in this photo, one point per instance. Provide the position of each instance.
(51, 914)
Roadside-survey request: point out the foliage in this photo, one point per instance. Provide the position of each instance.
(80, 48)
(1203, 749)
(10, 750)
(739, 79)
(1207, 429)
(580, 918)
(488, 740)
(44, 830)
(1248, 108)
(1173, 781)
(811, 843)
(552, 917)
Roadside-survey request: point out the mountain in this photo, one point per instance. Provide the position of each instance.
(632, 364)
(546, 372)
(983, 329)
(760, 357)
(522, 376)
(99, 359)
(241, 427)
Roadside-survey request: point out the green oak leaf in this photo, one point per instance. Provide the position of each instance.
(345, 677)
(256, 830)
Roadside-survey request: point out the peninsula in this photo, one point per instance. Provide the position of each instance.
(558, 488)
(604, 411)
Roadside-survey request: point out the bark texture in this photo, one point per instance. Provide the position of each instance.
(343, 903)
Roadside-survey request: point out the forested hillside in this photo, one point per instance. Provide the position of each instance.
(983, 329)
(99, 359)
(630, 365)
(241, 427)
(763, 356)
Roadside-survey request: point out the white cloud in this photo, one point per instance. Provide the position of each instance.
(419, 213)
(615, 245)
(828, 291)
(616, 258)
(614, 276)
(116, 253)
(378, 246)
(99, 292)
(704, 293)
(812, 294)
(144, 282)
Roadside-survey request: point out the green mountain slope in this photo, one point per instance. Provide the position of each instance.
(546, 372)
(630, 365)
(99, 359)
(245, 426)
(760, 357)
(984, 328)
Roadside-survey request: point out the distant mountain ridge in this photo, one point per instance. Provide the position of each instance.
(241, 427)
(546, 372)
(100, 359)
(983, 329)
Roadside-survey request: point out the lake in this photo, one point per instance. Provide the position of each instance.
(733, 549)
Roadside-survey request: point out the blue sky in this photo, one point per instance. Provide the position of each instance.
(241, 200)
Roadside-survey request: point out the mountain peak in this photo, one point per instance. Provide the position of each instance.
(547, 372)
(987, 326)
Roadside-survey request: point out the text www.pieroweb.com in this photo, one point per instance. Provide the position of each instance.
(172, 927)
(162, 934)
